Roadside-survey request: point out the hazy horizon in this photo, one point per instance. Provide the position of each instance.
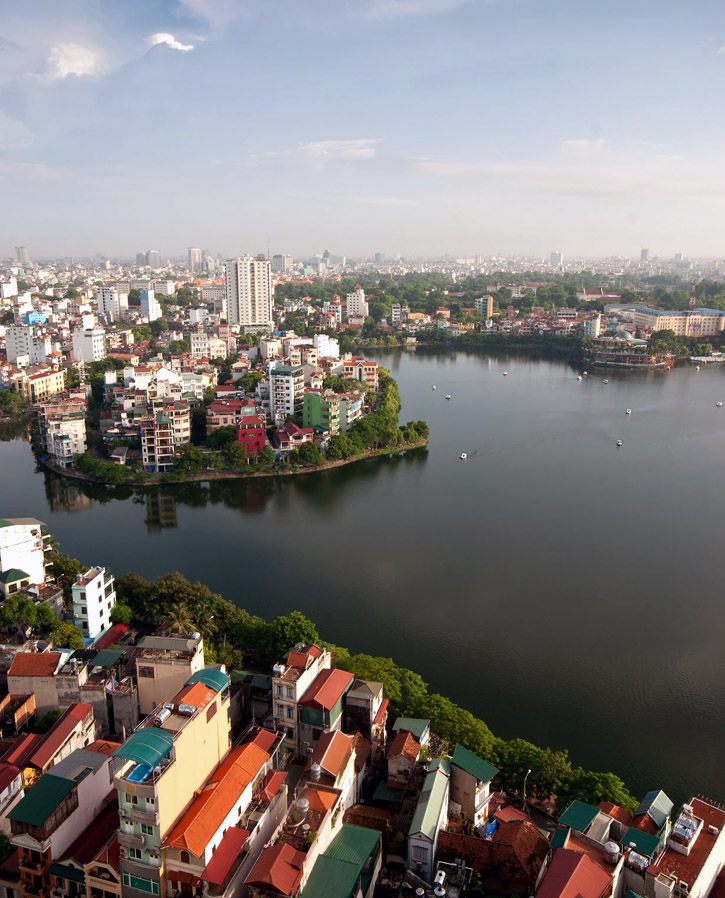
(418, 127)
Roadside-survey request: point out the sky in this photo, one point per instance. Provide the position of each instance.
(412, 127)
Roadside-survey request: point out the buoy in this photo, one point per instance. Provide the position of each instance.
(605, 381)
(585, 373)
(718, 404)
(448, 397)
(434, 386)
(580, 377)
(697, 367)
(629, 411)
(464, 456)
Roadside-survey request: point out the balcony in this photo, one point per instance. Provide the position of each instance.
(142, 816)
(131, 840)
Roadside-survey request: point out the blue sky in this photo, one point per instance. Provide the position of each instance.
(399, 126)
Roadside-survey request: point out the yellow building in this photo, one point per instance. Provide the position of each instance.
(163, 665)
(41, 385)
(690, 323)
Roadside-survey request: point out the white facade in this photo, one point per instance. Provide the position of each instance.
(333, 307)
(150, 306)
(357, 304)
(286, 389)
(94, 595)
(65, 436)
(290, 681)
(593, 326)
(110, 303)
(194, 259)
(89, 345)
(27, 340)
(249, 293)
(165, 288)
(327, 347)
(208, 346)
(22, 546)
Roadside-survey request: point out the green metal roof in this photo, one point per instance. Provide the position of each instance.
(558, 838)
(630, 893)
(210, 677)
(41, 800)
(65, 870)
(107, 657)
(415, 725)
(466, 760)
(643, 842)
(385, 793)
(12, 575)
(430, 803)
(146, 746)
(579, 816)
(337, 871)
(657, 805)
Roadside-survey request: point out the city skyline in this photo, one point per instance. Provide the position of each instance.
(419, 127)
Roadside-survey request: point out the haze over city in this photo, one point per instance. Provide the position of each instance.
(408, 126)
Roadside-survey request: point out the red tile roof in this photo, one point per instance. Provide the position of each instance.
(265, 739)
(278, 869)
(217, 870)
(332, 752)
(573, 875)
(34, 664)
(103, 747)
(321, 798)
(198, 695)
(208, 811)
(8, 773)
(272, 784)
(687, 867)
(328, 688)
(111, 636)
(645, 824)
(298, 659)
(59, 734)
(22, 749)
(94, 836)
(404, 745)
(616, 812)
(382, 710)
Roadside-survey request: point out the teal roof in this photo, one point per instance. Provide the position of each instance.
(210, 677)
(65, 870)
(643, 842)
(146, 746)
(558, 838)
(337, 871)
(385, 793)
(12, 575)
(466, 760)
(430, 803)
(107, 657)
(415, 725)
(630, 893)
(657, 805)
(41, 800)
(579, 816)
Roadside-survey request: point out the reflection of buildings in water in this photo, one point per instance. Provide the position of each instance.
(65, 495)
(160, 511)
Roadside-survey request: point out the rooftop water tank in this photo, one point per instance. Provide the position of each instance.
(419, 892)
(440, 878)
(315, 771)
(439, 891)
(196, 635)
(611, 850)
(163, 715)
(303, 805)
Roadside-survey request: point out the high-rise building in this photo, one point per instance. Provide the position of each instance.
(556, 259)
(679, 257)
(644, 255)
(249, 293)
(30, 341)
(379, 257)
(282, 264)
(21, 254)
(150, 306)
(153, 258)
(109, 303)
(356, 303)
(140, 260)
(194, 259)
(484, 305)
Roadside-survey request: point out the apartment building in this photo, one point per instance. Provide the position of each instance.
(41, 385)
(700, 322)
(158, 769)
(62, 430)
(94, 596)
(163, 665)
(24, 547)
(361, 370)
(150, 306)
(207, 346)
(286, 390)
(27, 342)
(163, 431)
(89, 344)
(249, 293)
(321, 409)
(291, 679)
(357, 305)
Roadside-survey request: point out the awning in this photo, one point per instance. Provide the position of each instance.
(146, 746)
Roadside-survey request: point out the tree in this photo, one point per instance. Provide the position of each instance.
(340, 446)
(266, 457)
(45, 620)
(309, 454)
(235, 456)
(121, 614)
(179, 619)
(248, 382)
(288, 630)
(222, 437)
(67, 636)
(43, 724)
(189, 460)
(140, 596)
(65, 570)
(18, 611)
(203, 617)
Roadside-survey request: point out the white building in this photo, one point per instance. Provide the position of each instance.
(291, 679)
(249, 293)
(150, 306)
(23, 547)
(207, 346)
(356, 303)
(165, 288)
(112, 304)
(63, 432)
(9, 288)
(194, 259)
(94, 595)
(556, 259)
(327, 347)
(198, 315)
(89, 345)
(593, 326)
(27, 340)
(333, 307)
(286, 389)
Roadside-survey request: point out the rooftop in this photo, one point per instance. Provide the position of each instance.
(328, 688)
(477, 767)
(41, 800)
(573, 875)
(415, 725)
(331, 752)
(684, 867)
(432, 796)
(278, 869)
(34, 664)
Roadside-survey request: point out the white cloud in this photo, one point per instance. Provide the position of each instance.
(13, 134)
(325, 150)
(73, 59)
(162, 37)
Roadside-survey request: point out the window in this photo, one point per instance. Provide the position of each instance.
(147, 829)
(131, 799)
(83, 595)
(290, 712)
(420, 853)
(135, 853)
(290, 692)
(279, 690)
(210, 712)
(184, 857)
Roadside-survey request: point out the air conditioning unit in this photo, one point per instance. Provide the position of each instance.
(310, 750)
(713, 830)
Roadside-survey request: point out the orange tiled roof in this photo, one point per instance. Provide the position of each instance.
(331, 752)
(406, 745)
(327, 689)
(320, 800)
(34, 664)
(206, 813)
(278, 868)
(197, 694)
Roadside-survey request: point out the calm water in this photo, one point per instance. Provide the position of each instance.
(564, 590)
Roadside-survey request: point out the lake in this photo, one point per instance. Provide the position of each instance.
(565, 590)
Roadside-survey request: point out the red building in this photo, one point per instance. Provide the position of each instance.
(251, 434)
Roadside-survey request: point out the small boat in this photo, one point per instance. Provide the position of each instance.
(505, 374)
(629, 411)
(605, 381)
(697, 367)
(434, 386)
(619, 443)
(448, 396)
(463, 456)
(718, 404)
(580, 377)
(585, 373)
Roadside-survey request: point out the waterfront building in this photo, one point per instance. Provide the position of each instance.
(40, 383)
(27, 343)
(361, 370)
(158, 770)
(484, 305)
(62, 430)
(164, 664)
(431, 814)
(150, 306)
(252, 434)
(351, 406)
(700, 322)
(94, 596)
(286, 388)
(327, 347)
(320, 708)
(321, 409)
(357, 305)
(163, 431)
(593, 326)
(471, 784)
(291, 679)
(249, 294)
(23, 547)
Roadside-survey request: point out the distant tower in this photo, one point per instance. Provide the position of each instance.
(194, 259)
(556, 259)
(21, 254)
(693, 297)
(644, 255)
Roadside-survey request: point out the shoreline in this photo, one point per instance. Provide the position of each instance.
(208, 476)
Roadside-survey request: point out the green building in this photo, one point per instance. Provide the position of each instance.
(321, 410)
